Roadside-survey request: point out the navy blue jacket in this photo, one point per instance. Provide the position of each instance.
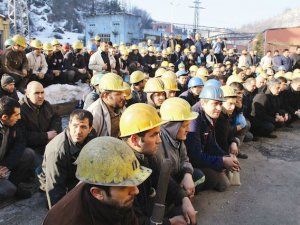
(202, 148)
(189, 97)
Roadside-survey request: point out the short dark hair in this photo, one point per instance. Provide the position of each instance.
(106, 189)
(82, 114)
(276, 51)
(282, 79)
(8, 105)
(285, 50)
(237, 86)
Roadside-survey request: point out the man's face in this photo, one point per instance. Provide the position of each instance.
(296, 86)
(158, 98)
(283, 86)
(79, 129)
(36, 94)
(229, 105)
(12, 120)
(121, 197)
(260, 82)
(10, 87)
(217, 72)
(286, 53)
(212, 108)
(37, 51)
(239, 99)
(56, 48)
(298, 51)
(104, 47)
(252, 86)
(115, 99)
(19, 48)
(49, 53)
(183, 131)
(171, 94)
(196, 90)
(150, 142)
(182, 80)
(275, 89)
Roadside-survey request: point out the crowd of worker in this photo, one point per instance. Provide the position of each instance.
(192, 101)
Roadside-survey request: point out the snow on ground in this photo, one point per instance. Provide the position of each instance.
(60, 93)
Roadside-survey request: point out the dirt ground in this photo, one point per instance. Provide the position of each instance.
(269, 194)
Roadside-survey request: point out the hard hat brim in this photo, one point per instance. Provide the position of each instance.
(135, 180)
(192, 116)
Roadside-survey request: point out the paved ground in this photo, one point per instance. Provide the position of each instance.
(269, 194)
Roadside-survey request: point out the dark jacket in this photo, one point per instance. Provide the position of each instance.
(247, 102)
(15, 145)
(79, 207)
(90, 99)
(58, 165)
(143, 203)
(265, 106)
(55, 62)
(291, 99)
(135, 58)
(189, 97)
(38, 121)
(202, 148)
(13, 95)
(174, 150)
(224, 131)
(74, 62)
(182, 88)
(13, 62)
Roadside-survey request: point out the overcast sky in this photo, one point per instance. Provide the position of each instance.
(218, 13)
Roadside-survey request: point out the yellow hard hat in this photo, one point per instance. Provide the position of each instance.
(230, 51)
(169, 50)
(177, 109)
(111, 82)
(134, 47)
(296, 75)
(47, 47)
(137, 76)
(164, 52)
(77, 44)
(288, 76)
(127, 91)
(97, 38)
(202, 72)
(193, 47)
(259, 70)
(122, 48)
(170, 84)
(154, 85)
(137, 118)
(19, 40)
(164, 64)
(197, 35)
(124, 52)
(95, 80)
(151, 49)
(169, 74)
(171, 65)
(234, 78)
(186, 51)
(36, 44)
(277, 75)
(208, 39)
(115, 45)
(263, 75)
(159, 72)
(55, 42)
(228, 91)
(166, 35)
(143, 51)
(193, 68)
(108, 161)
(178, 36)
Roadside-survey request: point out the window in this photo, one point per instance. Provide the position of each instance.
(105, 37)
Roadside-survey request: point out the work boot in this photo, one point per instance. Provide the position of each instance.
(27, 189)
(242, 156)
(271, 136)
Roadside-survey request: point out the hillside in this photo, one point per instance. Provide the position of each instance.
(289, 18)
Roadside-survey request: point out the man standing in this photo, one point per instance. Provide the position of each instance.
(16, 161)
(203, 150)
(107, 198)
(286, 61)
(58, 176)
(40, 121)
(107, 109)
(15, 63)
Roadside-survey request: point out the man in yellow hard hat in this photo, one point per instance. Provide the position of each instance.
(140, 129)
(179, 113)
(138, 81)
(15, 63)
(156, 94)
(74, 64)
(37, 64)
(109, 173)
(102, 61)
(107, 109)
(58, 169)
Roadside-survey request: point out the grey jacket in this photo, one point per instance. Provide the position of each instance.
(175, 150)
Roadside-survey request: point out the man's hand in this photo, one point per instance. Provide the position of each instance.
(177, 220)
(286, 117)
(104, 67)
(56, 73)
(231, 163)
(3, 171)
(188, 210)
(51, 134)
(279, 118)
(234, 148)
(83, 71)
(188, 185)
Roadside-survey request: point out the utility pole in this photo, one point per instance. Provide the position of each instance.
(196, 8)
(18, 16)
